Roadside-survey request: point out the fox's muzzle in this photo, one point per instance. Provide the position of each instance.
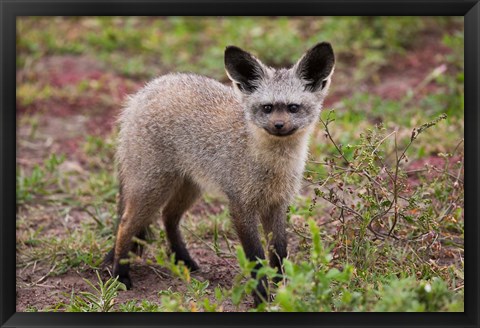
(280, 129)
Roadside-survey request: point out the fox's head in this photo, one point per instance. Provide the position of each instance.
(283, 101)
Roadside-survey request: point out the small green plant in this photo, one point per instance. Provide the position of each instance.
(312, 285)
(101, 299)
(193, 299)
(139, 306)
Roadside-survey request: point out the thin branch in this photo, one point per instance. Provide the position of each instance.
(333, 142)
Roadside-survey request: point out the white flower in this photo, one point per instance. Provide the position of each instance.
(428, 288)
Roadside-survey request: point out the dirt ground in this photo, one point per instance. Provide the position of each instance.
(67, 122)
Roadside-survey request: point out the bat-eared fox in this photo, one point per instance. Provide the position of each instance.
(184, 133)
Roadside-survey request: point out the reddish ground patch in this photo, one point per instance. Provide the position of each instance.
(403, 73)
(434, 166)
(81, 86)
(406, 72)
(66, 70)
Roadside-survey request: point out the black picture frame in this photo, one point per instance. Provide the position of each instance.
(10, 9)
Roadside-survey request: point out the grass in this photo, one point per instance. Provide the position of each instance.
(310, 285)
(130, 45)
(101, 300)
(379, 225)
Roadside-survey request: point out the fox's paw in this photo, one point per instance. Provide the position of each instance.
(191, 264)
(125, 279)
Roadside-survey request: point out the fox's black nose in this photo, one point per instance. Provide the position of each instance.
(279, 124)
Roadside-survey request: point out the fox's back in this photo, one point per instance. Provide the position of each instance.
(181, 98)
(184, 123)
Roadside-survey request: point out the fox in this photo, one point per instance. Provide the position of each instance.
(183, 134)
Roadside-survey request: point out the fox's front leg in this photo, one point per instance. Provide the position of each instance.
(245, 224)
(274, 225)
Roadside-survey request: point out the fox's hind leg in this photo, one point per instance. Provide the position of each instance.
(134, 222)
(136, 248)
(139, 208)
(177, 205)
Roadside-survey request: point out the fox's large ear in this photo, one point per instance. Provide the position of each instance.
(243, 69)
(316, 66)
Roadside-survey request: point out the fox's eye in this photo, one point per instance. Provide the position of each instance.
(267, 109)
(293, 108)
